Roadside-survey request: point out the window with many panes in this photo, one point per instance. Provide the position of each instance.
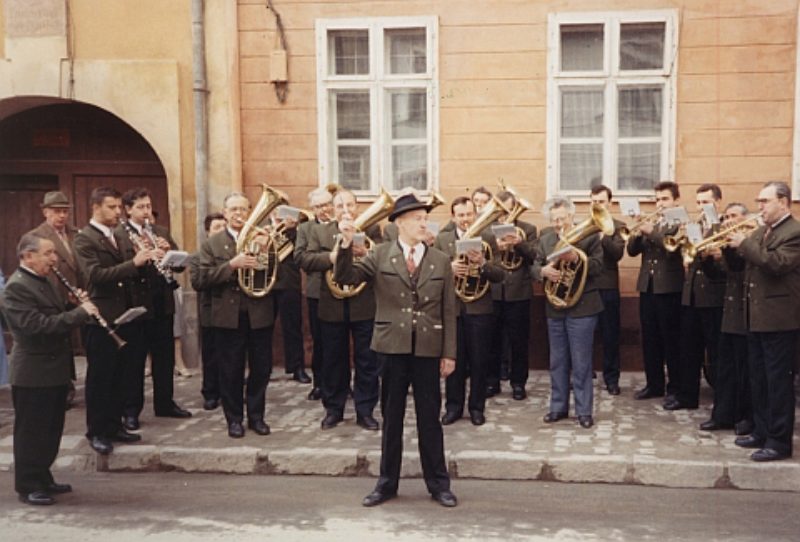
(377, 103)
(611, 92)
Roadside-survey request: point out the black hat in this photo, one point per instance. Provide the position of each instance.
(406, 203)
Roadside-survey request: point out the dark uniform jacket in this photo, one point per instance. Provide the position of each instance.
(313, 278)
(215, 274)
(430, 314)
(663, 268)
(772, 277)
(590, 302)
(288, 271)
(701, 289)
(36, 315)
(316, 258)
(203, 296)
(613, 250)
(732, 269)
(491, 271)
(67, 264)
(517, 284)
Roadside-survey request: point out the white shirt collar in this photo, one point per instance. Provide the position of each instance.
(233, 233)
(29, 270)
(102, 227)
(419, 251)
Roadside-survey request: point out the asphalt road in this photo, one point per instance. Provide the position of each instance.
(195, 507)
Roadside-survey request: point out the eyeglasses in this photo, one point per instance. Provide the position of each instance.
(764, 201)
(321, 205)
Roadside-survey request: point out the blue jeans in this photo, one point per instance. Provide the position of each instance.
(571, 342)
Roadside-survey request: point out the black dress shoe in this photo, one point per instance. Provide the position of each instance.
(477, 417)
(551, 417)
(124, 436)
(301, 376)
(749, 442)
(235, 430)
(450, 417)
(174, 412)
(675, 404)
(445, 498)
(613, 389)
(315, 394)
(377, 497)
(331, 420)
(58, 489)
(367, 422)
(210, 404)
(131, 423)
(714, 425)
(518, 393)
(744, 427)
(39, 498)
(768, 454)
(101, 445)
(491, 391)
(647, 393)
(585, 421)
(260, 427)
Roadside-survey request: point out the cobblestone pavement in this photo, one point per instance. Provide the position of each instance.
(634, 442)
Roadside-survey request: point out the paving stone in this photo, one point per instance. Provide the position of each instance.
(333, 462)
(775, 476)
(498, 465)
(228, 460)
(654, 471)
(589, 468)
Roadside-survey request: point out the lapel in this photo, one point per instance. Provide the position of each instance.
(399, 263)
(228, 244)
(425, 267)
(46, 289)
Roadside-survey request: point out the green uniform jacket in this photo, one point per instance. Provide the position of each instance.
(701, 289)
(288, 270)
(590, 302)
(613, 250)
(517, 284)
(215, 274)
(772, 278)
(732, 269)
(396, 314)
(664, 268)
(313, 278)
(41, 326)
(203, 296)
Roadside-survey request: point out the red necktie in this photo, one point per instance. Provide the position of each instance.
(410, 265)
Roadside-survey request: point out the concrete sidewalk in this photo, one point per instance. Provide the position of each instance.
(632, 442)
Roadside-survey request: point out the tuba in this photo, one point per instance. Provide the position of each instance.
(508, 258)
(258, 282)
(568, 290)
(471, 286)
(380, 209)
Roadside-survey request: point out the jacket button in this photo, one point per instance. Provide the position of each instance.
(119, 285)
(402, 324)
(402, 294)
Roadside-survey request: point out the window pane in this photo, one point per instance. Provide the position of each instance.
(407, 50)
(640, 112)
(409, 114)
(581, 47)
(354, 167)
(350, 50)
(582, 113)
(639, 166)
(352, 115)
(581, 166)
(641, 46)
(410, 166)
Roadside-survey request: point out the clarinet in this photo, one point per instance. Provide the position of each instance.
(139, 244)
(100, 320)
(166, 272)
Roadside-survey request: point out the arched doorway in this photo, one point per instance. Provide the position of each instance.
(72, 147)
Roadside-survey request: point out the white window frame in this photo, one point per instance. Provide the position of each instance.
(611, 78)
(796, 143)
(378, 83)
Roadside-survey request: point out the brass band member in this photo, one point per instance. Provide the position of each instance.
(701, 312)
(772, 293)
(41, 366)
(242, 324)
(570, 331)
(659, 284)
(480, 197)
(156, 295)
(415, 340)
(474, 322)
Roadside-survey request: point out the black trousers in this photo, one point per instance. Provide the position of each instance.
(400, 370)
(660, 318)
(608, 323)
(771, 359)
(210, 388)
(235, 347)
(105, 376)
(700, 329)
(159, 342)
(316, 339)
(335, 382)
(512, 323)
(473, 352)
(38, 426)
(288, 309)
(732, 401)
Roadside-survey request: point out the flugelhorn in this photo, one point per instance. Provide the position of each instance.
(720, 239)
(626, 232)
(509, 259)
(471, 286)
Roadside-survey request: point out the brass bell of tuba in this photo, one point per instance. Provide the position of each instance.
(509, 259)
(471, 286)
(380, 209)
(568, 290)
(258, 282)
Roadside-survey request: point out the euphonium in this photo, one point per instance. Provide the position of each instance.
(284, 244)
(626, 232)
(380, 209)
(720, 239)
(509, 259)
(267, 254)
(568, 290)
(436, 200)
(471, 286)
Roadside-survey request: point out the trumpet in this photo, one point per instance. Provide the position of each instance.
(678, 240)
(626, 232)
(720, 239)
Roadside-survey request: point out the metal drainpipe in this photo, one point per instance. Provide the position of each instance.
(200, 93)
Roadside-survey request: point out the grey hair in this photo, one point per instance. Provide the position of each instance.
(318, 193)
(232, 195)
(782, 190)
(554, 203)
(742, 207)
(30, 242)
